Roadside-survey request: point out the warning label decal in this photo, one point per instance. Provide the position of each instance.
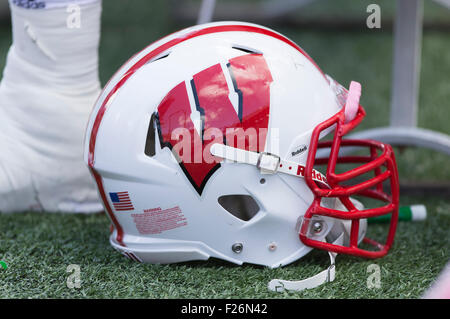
(157, 220)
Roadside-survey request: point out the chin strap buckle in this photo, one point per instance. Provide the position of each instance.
(268, 163)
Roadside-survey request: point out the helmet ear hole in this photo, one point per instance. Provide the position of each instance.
(243, 207)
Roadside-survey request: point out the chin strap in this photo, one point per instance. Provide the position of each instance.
(267, 163)
(328, 275)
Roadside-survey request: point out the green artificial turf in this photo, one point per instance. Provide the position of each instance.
(38, 247)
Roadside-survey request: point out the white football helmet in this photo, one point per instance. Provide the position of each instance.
(204, 145)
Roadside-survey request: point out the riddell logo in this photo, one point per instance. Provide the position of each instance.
(300, 150)
(226, 104)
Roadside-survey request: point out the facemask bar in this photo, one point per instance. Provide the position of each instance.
(371, 188)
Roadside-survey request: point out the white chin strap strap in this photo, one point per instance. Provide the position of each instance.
(269, 164)
(327, 275)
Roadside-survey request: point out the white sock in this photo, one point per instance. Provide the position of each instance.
(49, 86)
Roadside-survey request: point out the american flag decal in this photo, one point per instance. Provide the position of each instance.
(121, 201)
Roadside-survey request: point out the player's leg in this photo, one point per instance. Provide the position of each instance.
(49, 85)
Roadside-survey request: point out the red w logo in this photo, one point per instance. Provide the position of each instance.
(214, 118)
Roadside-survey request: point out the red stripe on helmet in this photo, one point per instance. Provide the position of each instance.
(117, 226)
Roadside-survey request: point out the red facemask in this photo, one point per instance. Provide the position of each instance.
(381, 162)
